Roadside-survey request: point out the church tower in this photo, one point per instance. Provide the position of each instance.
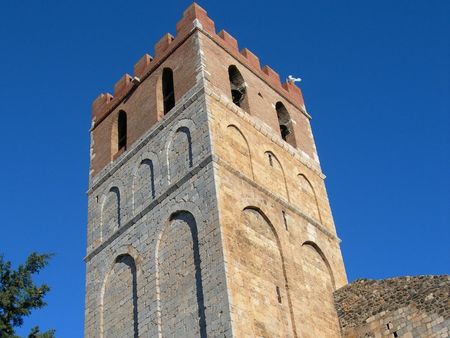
(208, 213)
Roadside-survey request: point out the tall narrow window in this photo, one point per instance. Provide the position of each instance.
(285, 123)
(122, 130)
(285, 219)
(238, 88)
(167, 89)
(277, 288)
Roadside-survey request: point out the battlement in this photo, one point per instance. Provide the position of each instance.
(194, 18)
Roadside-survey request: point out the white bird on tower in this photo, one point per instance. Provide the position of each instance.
(292, 79)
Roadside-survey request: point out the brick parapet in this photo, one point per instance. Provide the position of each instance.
(105, 103)
(288, 90)
(194, 18)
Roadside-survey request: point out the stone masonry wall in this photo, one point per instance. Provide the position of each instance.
(154, 258)
(281, 262)
(282, 256)
(398, 307)
(291, 166)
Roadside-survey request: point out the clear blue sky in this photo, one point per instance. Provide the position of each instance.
(376, 79)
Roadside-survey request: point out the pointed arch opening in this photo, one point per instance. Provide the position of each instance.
(110, 217)
(324, 259)
(239, 153)
(179, 154)
(179, 282)
(308, 199)
(143, 189)
(238, 88)
(168, 90)
(285, 123)
(257, 237)
(275, 174)
(119, 300)
(319, 281)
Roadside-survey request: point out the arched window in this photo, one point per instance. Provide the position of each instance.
(122, 130)
(119, 300)
(285, 123)
(167, 90)
(238, 88)
(308, 198)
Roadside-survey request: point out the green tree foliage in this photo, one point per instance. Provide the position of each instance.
(19, 295)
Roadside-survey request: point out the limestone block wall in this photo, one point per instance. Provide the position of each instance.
(282, 256)
(256, 151)
(154, 259)
(398, 307)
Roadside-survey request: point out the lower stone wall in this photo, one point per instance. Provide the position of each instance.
(397, 307)
(155, 265)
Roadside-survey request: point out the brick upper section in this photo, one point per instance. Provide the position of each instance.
(194, 17)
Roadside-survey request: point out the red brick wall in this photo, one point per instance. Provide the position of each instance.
(144, 106)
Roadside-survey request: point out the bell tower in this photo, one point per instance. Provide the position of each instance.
(208, 212)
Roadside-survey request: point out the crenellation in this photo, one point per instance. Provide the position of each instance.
(229, 40)
(194, 13)
(142, 67)
(273, 75)
(123, 85)
(99, 106)
(163, 45)
(253, 60)
(294, 91)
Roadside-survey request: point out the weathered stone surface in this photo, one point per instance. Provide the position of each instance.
(398, 307)
(154, 204)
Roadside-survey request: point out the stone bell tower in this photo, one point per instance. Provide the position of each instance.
(208, 213)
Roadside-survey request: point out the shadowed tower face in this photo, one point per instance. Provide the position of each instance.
(208, 213)
(120, 289)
